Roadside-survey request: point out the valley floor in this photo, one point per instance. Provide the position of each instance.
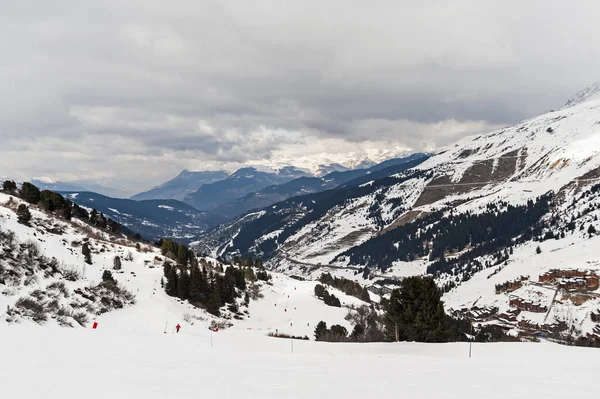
(84, 363)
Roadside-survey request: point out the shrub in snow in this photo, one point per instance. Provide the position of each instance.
(32, 308)
(23, 214)
(117, 263)
(129, 256)
(60, 287)
(87, 253)
(71, 274)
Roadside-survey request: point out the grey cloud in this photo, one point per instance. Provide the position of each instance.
(115, 90)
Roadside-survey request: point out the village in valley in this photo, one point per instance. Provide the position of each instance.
(544, 305)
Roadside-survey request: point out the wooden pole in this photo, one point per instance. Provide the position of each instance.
(471, 340)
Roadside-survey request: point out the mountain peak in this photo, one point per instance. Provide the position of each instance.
(591, 92)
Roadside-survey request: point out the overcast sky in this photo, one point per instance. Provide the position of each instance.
(128, 93)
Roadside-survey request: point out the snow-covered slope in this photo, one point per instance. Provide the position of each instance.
(591, 92)
(556, 153)
(110, 362)
(286, 305)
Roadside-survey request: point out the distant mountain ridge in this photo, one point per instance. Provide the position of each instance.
(306, 185)
(181, 185)
(153, 219)
(511, 167)
(47, 184)
(238, 184)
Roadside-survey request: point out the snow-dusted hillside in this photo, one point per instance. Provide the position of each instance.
(555, 155)
(44, 263)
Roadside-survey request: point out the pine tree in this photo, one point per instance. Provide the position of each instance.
(23, 214)
(195, 287)
(183, 284)
(214, 300)
(9, 186)
(320, 291)
(93, 216)
(87, 253)
(30, 193)
(357, 333)
(249, 274)
(228, 293)
(416, 313)
(538, 250)
(205, 290)
(117, 263)
(171, 276)
(591, 230)
(320, 330)
(108, 278)
(338, 333)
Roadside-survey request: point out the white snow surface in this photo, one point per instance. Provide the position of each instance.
(115, 361)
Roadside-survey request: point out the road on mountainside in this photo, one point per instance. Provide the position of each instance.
(287, 257)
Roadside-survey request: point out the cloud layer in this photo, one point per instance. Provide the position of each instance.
(129, 92)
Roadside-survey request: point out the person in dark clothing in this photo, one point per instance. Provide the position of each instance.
(177, 327)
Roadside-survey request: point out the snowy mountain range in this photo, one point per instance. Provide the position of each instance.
(506, 222)
(181, 185)
(543, 173)
(277, 170)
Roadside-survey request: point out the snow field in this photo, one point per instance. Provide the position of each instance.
(101, 363)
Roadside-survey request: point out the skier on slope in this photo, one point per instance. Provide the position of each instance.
(177, 327)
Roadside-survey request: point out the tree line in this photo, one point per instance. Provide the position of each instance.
(55, 204)
(435, 234)
(348, 287)
(205, 286)
(414, 312)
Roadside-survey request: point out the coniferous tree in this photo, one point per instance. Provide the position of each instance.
(195, 287)
(66, 212)
(117, 263)
(23, 214)
(9, 186)
(338, 333)
(240, 278)
(357, 333)
(87, 253)
(319, 291)
(108, 278)
(249, 274)
(320, 330)
(183, 284)
(214, 300)
(591, 230)
(171, 276)
(93, 216)
(416, 313)
(205, 289)
(30, 193)
(228, 293)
